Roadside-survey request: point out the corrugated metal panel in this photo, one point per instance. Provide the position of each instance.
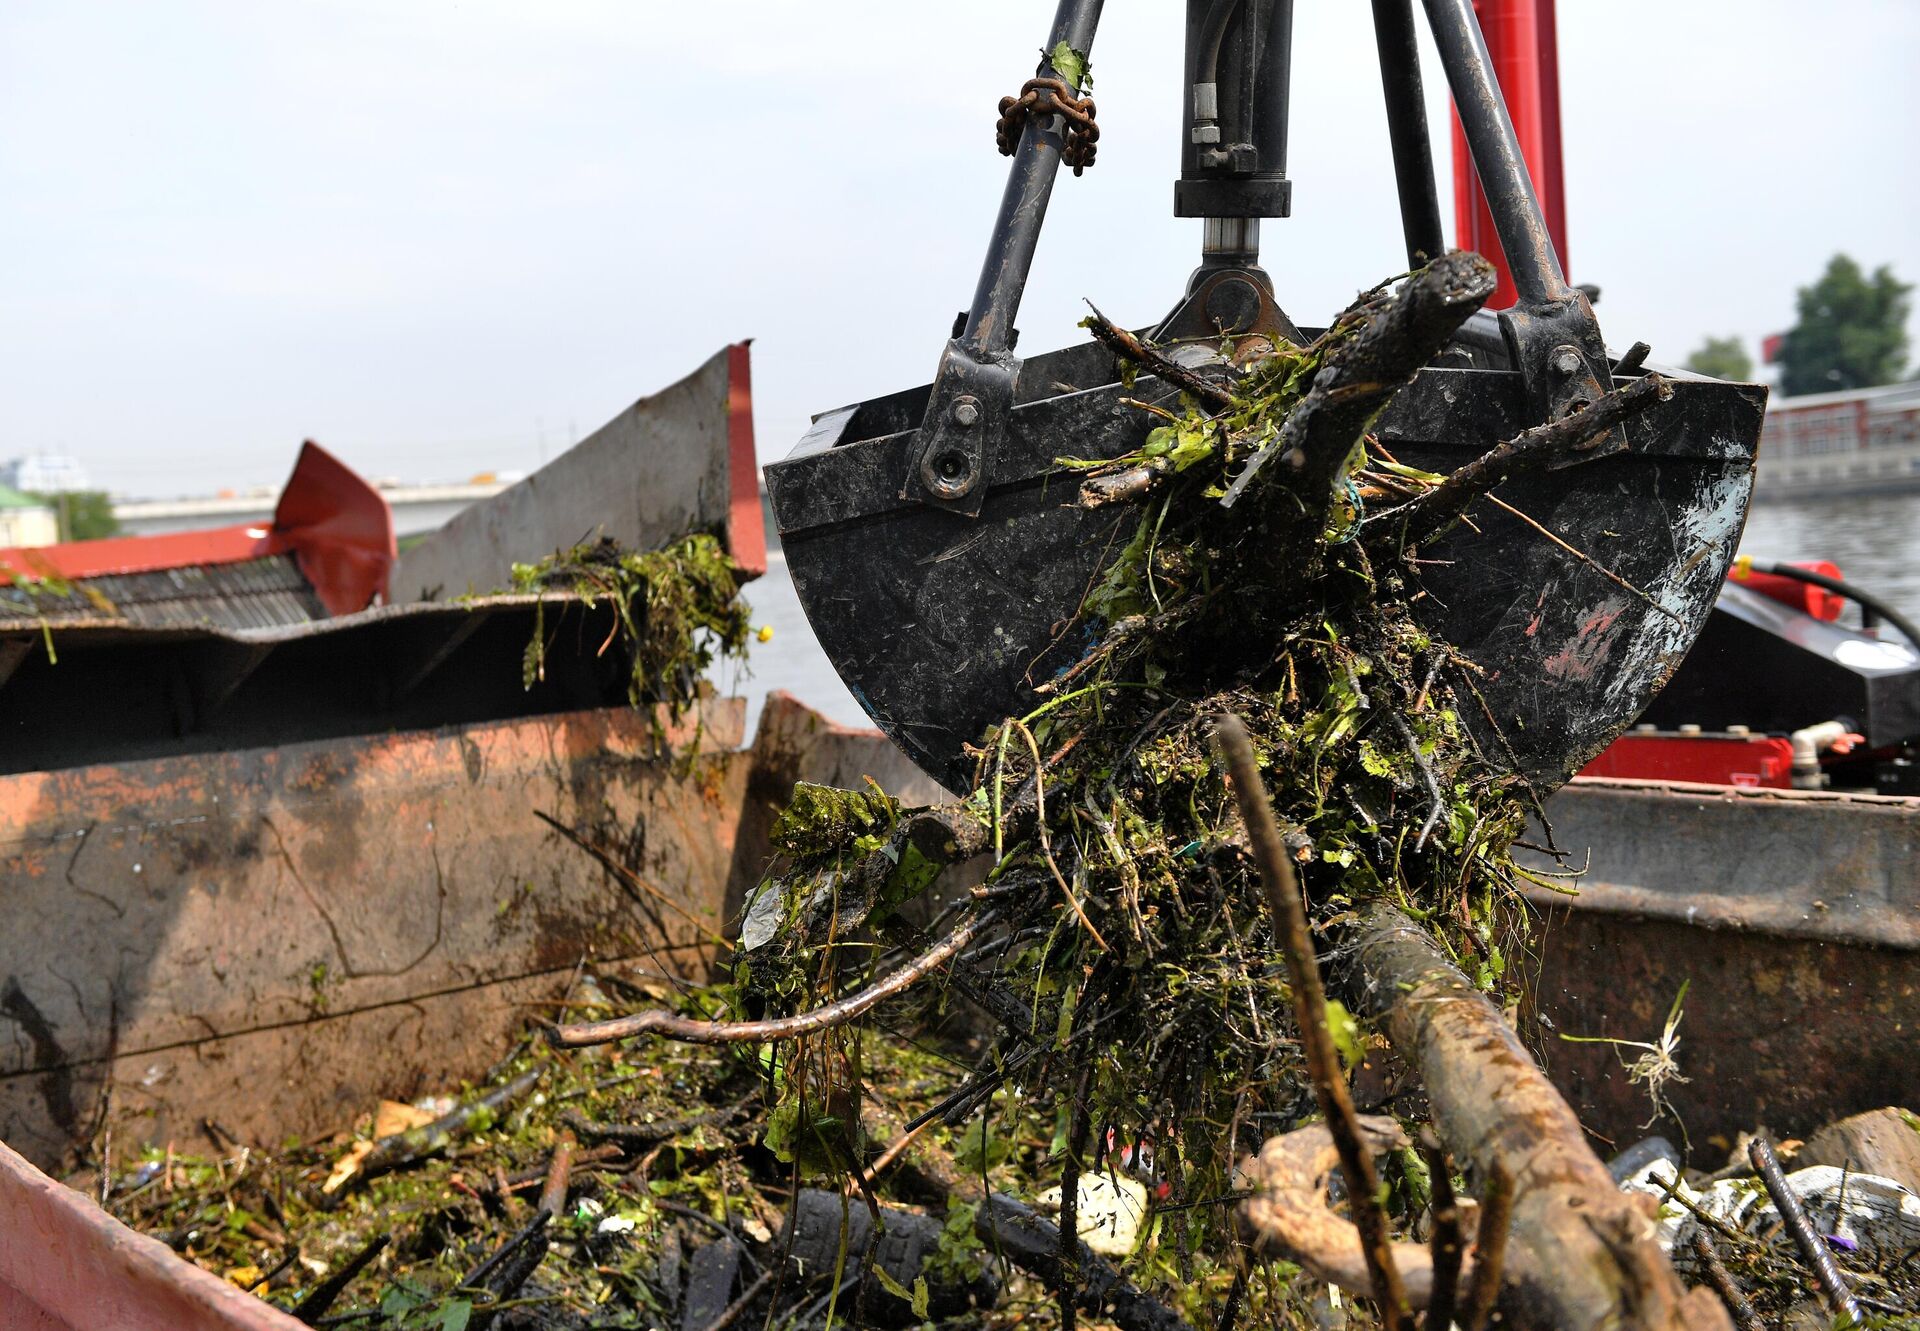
(256, 594)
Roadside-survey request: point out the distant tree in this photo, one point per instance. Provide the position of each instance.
(1852, 331)
(85, 515)
(1723, 358)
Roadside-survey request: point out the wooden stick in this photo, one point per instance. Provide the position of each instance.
(553, 1193)
(1069, 1249)
(1310, 1009)
(1581, 1255)
(502, 1274)
(322, 1296)
(1447, 1248)
(403, 1148)
(1128, 347)
(1833, 1285)
(1490, 1251)
(1744, 1317)
(690, 1030)
(646, 1134)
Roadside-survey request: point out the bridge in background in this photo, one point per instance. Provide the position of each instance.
(417, 509)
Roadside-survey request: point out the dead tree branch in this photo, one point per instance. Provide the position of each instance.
(1126, 346)
(1422, 518)
(1380, 350)
(1833, 1285)
(691, 1030)
(1582, 1254)
(1290, 1218)
(1490, 1251)
(403, 1148)
(1310, 1009)
(321, 1298)
(1744, 1317)
(1447, 1248)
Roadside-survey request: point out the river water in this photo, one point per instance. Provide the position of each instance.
(1875, 540)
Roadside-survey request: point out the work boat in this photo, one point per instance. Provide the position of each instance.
(1757, 835)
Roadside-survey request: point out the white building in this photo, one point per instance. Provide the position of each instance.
(25, 521)
(45, 473)
(1853, 442)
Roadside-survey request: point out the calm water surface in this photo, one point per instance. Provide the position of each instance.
(1875, 541)
(792, 659)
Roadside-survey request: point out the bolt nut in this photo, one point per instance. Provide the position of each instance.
(965, 412)
(1566, 361)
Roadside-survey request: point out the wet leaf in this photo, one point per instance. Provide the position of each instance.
(1071, 65)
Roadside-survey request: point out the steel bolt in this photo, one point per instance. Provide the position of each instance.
(965, 412)
(1566, 361)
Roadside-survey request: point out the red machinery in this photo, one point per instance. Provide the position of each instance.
(336, 526)
(1522, 40)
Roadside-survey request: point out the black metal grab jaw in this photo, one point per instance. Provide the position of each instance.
(942, 628)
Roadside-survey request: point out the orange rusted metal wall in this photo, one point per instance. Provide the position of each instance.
(276, 937)
(1793, 916)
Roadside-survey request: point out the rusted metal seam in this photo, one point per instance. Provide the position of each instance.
(340, 1014)
(1794, 921)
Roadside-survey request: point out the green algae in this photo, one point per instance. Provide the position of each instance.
(677, 611)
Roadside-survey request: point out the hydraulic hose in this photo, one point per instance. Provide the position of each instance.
(1212, 32)
(1865, 600)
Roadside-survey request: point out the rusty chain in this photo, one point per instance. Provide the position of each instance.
(1051, 97)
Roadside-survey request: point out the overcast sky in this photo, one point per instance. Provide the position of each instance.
(431, 235)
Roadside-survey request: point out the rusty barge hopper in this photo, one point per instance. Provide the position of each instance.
(266, 849)
(270, 930)
(1804, 962)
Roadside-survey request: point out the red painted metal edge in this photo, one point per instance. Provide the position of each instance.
(1750, 761)
(746, 522)
(65, 1263)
